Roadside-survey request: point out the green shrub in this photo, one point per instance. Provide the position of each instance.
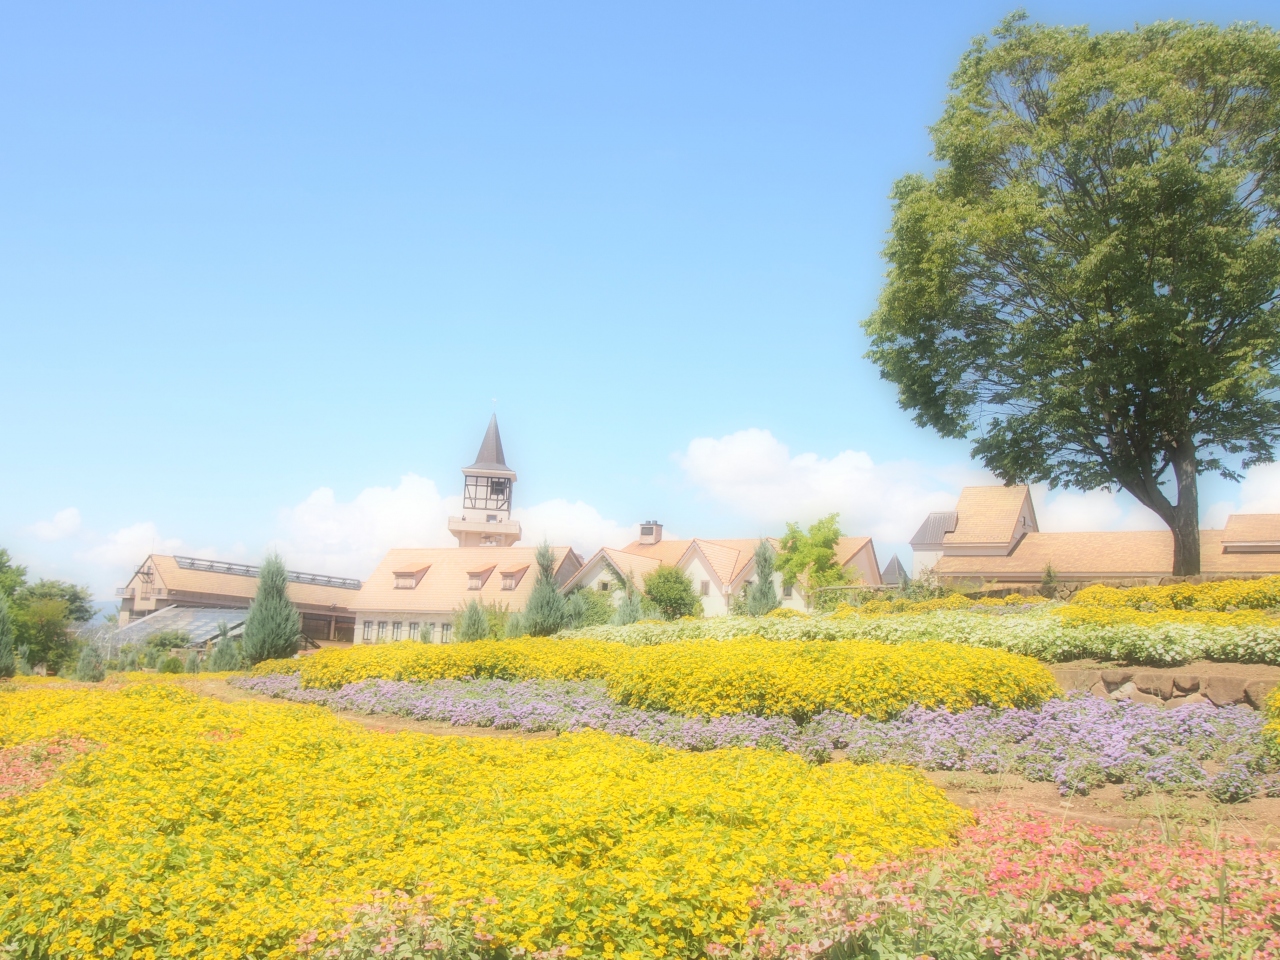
(171, 664)
(544, 614)
(90, 668)
(471, 624)
(671, 592)
(272, 629)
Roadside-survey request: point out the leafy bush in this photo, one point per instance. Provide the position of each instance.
(171, 664)
(671, 591)
(629, 611)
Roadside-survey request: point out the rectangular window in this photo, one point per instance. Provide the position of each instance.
(706, 588)
(473, 581)
(786, 590)
(413, 630)
(395, 630)
(604, 586)
(368, 631)
(508, 581)
(446, 632)
(491, 518)
(382, 629)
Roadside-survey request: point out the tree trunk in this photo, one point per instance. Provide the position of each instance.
(1182, 517)
(1185, 521)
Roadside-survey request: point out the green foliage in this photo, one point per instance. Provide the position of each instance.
(629, 611)
(589, 608)
(513, 626)
(1087, 286)
(668, 589)
(761, 595)
(7, 661)
(809, 559)
(226, 653)
(79, 600)
(1049, 580)
(43, 628)
(13, 577)
(544, 614)
(90, 668)
(157, 646)
(471, 624)
(193, 662)
(129, 658)
(170, 664)
(272, 629)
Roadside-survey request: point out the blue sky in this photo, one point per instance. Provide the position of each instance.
(265, 268)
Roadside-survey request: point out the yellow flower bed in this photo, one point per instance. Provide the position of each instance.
(955, 601)
(1262, 594)
(206, 829)
(1073, 615)
(715, 677)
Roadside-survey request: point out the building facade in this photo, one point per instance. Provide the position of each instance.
(992, 537)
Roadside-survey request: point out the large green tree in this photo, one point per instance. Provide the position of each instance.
(79, 600)
(671, 591)
(273, 626)
(7, 661)
(1086, 287)
(13, 577)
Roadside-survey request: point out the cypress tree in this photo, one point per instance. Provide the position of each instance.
(90, 667)
(7, 665)
(514, 627)
(544, 614)
(762, 597)
(629, 610)
(273, 626)
(471, 624)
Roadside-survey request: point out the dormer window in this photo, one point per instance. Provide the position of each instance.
(408, 579)
(474, 581)
(508, 581)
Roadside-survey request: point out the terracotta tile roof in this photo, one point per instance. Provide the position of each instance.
(210, 584)
(445, 586)
(987, 515)
(664, 551)
(1103, 555)
(1252, 528)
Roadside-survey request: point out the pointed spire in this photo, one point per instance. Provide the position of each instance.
(490, 456)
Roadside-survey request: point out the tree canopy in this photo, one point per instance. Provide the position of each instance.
(671, 592)
(273, 626)
(809, 558)
(1086, 287)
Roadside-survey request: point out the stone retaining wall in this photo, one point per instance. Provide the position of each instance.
(1168, 686)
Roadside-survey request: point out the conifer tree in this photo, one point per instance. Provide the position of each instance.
(471, 624)
(226, 653)
(544, 614)
(514, 626)
(629, 610)
(762, 597)
(7, 664)
(273, 626)
(90, 668)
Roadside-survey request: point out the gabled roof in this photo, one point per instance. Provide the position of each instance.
(1254, 529)
(490, 459)
(195, 579)
(445, 585)
(934, 528)
(894, 573)
(989, 515)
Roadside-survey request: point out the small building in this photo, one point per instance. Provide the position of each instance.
(720, 570)
(163, 581)
(992, 537)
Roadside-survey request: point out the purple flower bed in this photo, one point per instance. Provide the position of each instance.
(1079, 742)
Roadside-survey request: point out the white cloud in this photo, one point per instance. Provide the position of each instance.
(1259, 493)
(755, 474)
(325, 535)
(578, 525)
(65, 523)
(1070, 511)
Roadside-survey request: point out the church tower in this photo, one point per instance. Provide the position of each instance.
(486, 498)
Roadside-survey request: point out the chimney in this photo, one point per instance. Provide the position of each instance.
(650, 531)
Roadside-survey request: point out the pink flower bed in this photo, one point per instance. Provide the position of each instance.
(1019, 885)
(28, 765)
